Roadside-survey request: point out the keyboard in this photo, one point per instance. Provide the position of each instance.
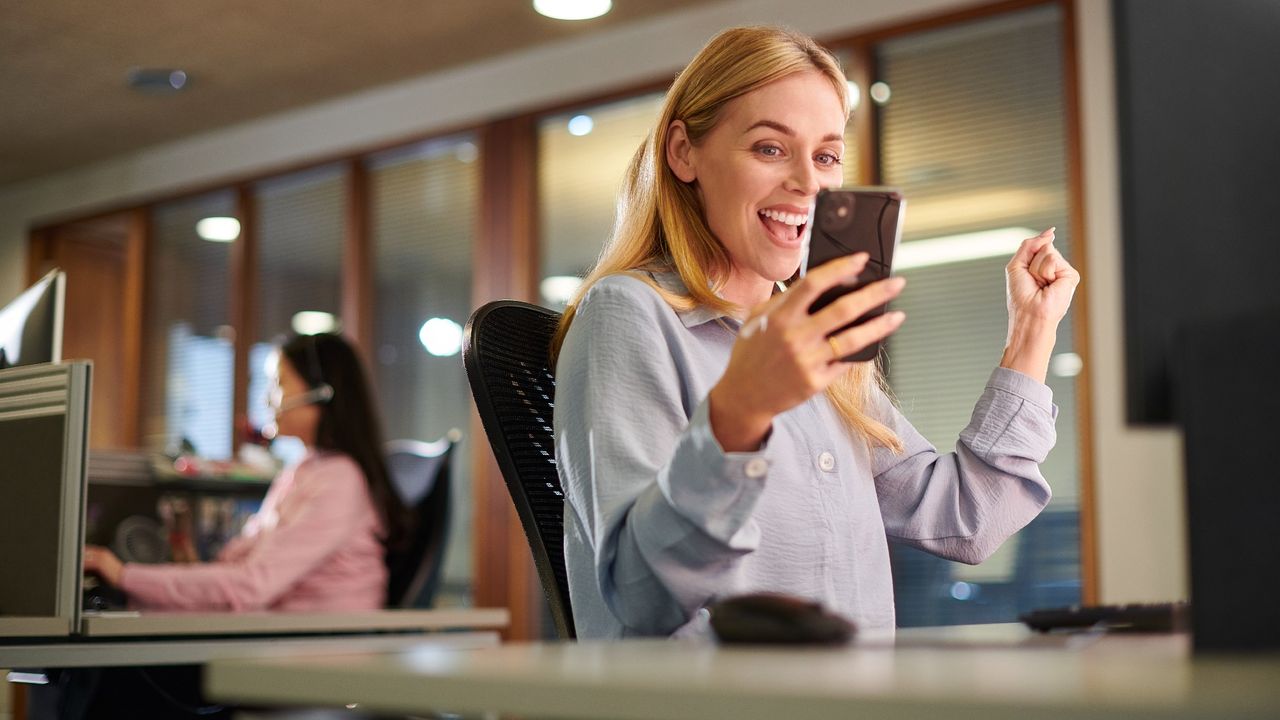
(1135, 617)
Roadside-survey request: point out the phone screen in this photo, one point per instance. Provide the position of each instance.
(851, 220)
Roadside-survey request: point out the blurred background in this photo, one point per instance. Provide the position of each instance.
(214, 175)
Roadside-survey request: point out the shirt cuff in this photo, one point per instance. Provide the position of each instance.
(716, 490)
(1014, 416)
(1025, 387)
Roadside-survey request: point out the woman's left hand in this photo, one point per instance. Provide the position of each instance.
(1040, 282)
(103, 563)
(1040, 285)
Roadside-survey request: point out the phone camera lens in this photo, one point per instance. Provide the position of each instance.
(837, 212)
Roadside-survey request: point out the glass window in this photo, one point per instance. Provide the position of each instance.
(857, 95)
(299, 232)
(972, 130)
(423, 206)
(582, 158)
(188, 355)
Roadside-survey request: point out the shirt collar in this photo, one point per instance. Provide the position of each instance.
(699, 314)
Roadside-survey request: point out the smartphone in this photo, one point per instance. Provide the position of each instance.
(851, 220)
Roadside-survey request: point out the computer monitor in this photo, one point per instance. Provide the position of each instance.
(1198, 111)
(31, 325)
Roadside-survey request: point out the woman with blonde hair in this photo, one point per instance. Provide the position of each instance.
(710, 440)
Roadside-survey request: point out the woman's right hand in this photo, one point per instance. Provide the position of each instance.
(103, 563)
(783, 356)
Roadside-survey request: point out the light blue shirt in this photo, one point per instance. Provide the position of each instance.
(660, 521)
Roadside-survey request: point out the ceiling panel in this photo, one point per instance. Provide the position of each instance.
(64, 100)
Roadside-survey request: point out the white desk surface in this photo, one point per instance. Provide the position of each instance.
(979, 672)
(113, 639)
(197, 651)
(126, 624)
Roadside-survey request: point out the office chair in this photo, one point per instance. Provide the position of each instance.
(420, 473)
(505, 350)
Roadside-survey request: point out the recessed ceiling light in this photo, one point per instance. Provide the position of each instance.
(218, 229)
(313, 322)
(581, 125)
(158, 81)
(880, 92)
(441, 337)
(572, 9)
(855, 94)
(466, 152)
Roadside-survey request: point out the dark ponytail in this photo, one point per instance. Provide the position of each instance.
(348, 422)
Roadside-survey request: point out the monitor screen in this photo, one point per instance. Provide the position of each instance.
(1198, 117)
(31, 325)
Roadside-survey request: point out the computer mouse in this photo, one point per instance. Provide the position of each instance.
(97, 595)
(777, 619)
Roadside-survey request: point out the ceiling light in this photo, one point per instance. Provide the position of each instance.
(466, 152)
(313, 322)
(581, 125)
(1066, 364)
(572, 9)
(855, 94)
(558, 289)
(959, 248)
(158, 81)
(441, 337)
(880, 92)
(218, 229)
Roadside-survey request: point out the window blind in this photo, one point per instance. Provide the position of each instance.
(973, 133)
(300, 227)
(187, 387)
(579, 177)
(423, 204)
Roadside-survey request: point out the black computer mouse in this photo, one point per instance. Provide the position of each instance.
(777, 619)
(97, 595)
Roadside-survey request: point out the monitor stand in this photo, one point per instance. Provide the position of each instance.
(1225, 395)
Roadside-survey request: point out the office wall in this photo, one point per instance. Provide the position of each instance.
(1137, 472)
(13, 263)
(1139, 491)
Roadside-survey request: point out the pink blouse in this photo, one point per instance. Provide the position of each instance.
(313, 546)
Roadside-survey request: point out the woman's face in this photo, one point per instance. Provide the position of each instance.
(760, 168)
(292, 419)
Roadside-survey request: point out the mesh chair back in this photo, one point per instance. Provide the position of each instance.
(505, 350)
(420, 473)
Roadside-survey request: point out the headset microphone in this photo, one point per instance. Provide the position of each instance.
(318, 395)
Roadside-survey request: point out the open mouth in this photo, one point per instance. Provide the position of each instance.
(785, 228)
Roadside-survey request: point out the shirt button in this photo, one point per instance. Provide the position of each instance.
(757, 467)
(827, 461)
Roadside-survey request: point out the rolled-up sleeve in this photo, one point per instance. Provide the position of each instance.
(962, 505)
(665, 510)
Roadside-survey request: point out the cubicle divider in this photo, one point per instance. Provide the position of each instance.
(44, 420)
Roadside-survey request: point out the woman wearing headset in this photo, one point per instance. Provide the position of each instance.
(318, 542)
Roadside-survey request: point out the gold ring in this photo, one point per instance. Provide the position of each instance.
(835, 350)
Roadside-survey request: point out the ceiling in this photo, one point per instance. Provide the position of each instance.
(64, 101)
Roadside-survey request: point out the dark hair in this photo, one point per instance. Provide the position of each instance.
(348, 422)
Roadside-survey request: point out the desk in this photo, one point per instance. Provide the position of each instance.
(979, 672)
(170, 638)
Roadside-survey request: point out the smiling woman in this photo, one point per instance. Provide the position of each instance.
(708, 438)
(757, 171)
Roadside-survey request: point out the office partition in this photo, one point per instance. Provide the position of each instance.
(44, 421)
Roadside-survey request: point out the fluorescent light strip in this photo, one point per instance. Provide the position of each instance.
(960, 248)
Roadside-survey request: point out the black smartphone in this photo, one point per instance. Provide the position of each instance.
(851, 220)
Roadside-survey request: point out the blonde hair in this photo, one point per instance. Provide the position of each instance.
(660, 225)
